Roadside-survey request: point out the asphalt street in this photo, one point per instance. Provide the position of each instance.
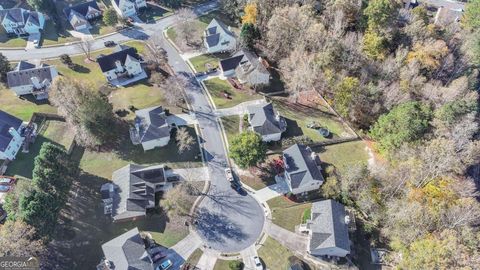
(227, 221)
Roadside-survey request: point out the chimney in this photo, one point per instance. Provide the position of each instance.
(36, 82)
(119, 66)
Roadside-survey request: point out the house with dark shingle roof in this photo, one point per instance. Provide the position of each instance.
(20, 21)
(127, 251)
(303, 171)
(128, 8)
(133, 191)
(151, 128)
(81, 14)
(247, 67)
(328, 229)
(28, 79)
(266, 121)
(122, 67)
(219, 38)
(11, 139)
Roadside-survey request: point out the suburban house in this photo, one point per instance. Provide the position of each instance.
(20, 21)
(446, 16)
(219, 38)
(151, 128)
(133, 191)
(303, 172)
(265, 121)
(122, 67)
(27, 79)
(247, 67)
(128, 8)
(328, 229)
(11, 139)
(127, 251)
(80, 15)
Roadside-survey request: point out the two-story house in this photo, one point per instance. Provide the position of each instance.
(28, 79)
(122, 67)
(20, 21)
(247, 67)
(151, 128)
(11, 139)
(219, 38)
(81, 14)
(266, 121)
(128, 8)
(303, 171)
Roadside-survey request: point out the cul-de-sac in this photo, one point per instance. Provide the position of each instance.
(239, 134)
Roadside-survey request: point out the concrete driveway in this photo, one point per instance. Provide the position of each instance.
(30, 41)
(272, 191)
(182, 119)
(291, 240)
(239, 109)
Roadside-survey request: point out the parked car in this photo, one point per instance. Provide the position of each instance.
(109, 43)
(36, 43)
(165, 265)
(236, 186)
(5, 188)
(258, 263)
(229, 175)
(3, 215)
(7, 180)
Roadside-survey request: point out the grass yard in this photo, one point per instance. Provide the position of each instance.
(344, 155)
(204, 62)
(153, 13)
(12, 42)
(274, 255)
(59, 132)
(222, 265)
(231, 126)
(24, 107)
(299, 116)
(286, 213)
(217, 87)
(51, 36)
(263, 176)
(195, 257)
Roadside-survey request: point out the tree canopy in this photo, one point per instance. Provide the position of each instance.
(247, 149)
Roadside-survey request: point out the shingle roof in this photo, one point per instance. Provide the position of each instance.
(214, 30)
(302, 169)
(152, 124)
(20, 15)
(107, 62)
(82, 8)
(328, 226)
(263, 119)
(128, 252)
(25, 71)
(212, 40)
(135, 187)
(6, 122)
(232, 62)
(249, 63)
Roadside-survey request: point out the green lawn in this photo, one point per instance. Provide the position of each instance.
(231, 126)
(51, 36)
(344, 155)
(286, 213)
(153, 13)
(59, 132)
(299, 116)
(217, 87)
(205, 61)
(274, 255)
(195, 257)
(222, 265)
(12, 42)
(22, 108)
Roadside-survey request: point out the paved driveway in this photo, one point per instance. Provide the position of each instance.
(291, 240)
(272, 191)
(182, 119)
(239, 109)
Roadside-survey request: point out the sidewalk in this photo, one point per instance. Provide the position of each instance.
(207, 261)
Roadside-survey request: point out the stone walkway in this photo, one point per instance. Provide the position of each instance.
(240, 108)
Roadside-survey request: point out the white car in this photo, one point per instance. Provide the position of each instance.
(258, 263)
(229, 175)
(36, 43)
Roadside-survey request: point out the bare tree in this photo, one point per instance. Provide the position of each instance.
(179, 199)
(185, 141)
(174, 91)
(186, 28)
(86, 46)
(299, 72)
(155, 52)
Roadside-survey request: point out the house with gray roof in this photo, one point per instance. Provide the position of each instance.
(122, 66)
(127, 251)
(81, 14)
(328, 229)
(247, 67)
(151, 128)
(133, 191)
(266, 121)
(303, 171)
(28, 79)
(219, 38)
(128, 8)
(11, 139)
(20, 21)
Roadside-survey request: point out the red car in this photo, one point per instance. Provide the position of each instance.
(7, 180)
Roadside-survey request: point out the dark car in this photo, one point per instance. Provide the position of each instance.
(236, 186)
(3, 215)
(109, 43)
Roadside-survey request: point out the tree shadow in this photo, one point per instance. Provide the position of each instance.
(293, 129)
(216, 227)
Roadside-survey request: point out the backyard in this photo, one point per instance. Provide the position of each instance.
(343, 155)
(24, 107)
(225, 96)
(287, 213)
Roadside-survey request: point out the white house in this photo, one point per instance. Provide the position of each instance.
(219, 38)
(10, 136)
(328, 229)
(27, 79)
(247, 67)
(20, 21)
(122, 67)
(128, 8)
(303, 172)
(264, 120)
(151, 128)
(81, 14)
